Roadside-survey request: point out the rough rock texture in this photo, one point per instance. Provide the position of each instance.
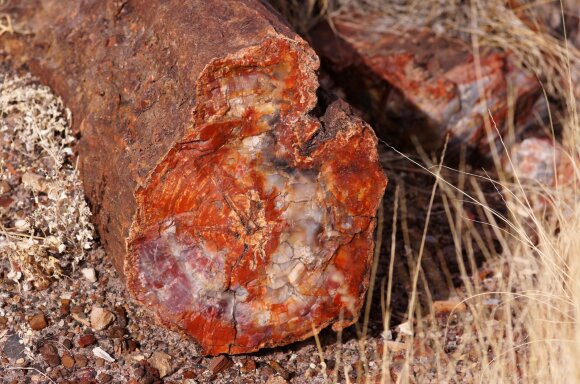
(540, 161)
(237, 208)
(412, 82)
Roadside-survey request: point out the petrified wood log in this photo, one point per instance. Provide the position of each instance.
(413, 82)
(237, 208)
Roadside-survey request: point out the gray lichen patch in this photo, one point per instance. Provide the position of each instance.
(44, 220)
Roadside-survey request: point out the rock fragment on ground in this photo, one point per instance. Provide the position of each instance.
(13, 347)
(101, 353)
(539, 160)
(219, 364)
(276, 380)
(162, 362)
(248, 365)
(100, 318)
(283, 372)
(50, 354)
(37, 322)
(89, 274)
(67, 361)
(86, 340)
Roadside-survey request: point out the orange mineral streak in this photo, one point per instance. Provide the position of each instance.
(258, 225)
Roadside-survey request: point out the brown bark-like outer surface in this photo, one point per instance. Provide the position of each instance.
(234, 213)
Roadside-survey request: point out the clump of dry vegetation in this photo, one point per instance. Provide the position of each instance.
(36, 167)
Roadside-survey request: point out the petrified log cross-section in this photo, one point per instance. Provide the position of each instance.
(235, 213)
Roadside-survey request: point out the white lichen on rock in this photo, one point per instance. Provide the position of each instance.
(44, 219)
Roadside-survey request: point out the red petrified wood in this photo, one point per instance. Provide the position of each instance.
(411, 82)
(238, 209)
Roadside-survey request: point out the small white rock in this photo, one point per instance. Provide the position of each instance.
(97, 351)
(405, 329)
(387, 334)
(15, 276)
(89, 274)
(66, 295)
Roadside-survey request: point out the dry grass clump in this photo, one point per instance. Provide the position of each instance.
(522, 323)
(44, 227)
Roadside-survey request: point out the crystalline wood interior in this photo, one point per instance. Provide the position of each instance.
(239, 208)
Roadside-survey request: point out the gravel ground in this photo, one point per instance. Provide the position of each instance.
(51, 336)
(58, 329)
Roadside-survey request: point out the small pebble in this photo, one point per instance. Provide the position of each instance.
(21, 362)
(81, 361)
(101, 318)
(104, 378)
(67, 361)
(116, 332)
(50, 354)
(248, 366)
(280, 369)
(86, 340)
(64, 309)
(121, 315)
(13, 348)
(4, 187)
(37, 322)
(189, 374)
(139, 372)
(132, 345)
(219, 364)
(162, 362)
(276, 380)
(89, 274)
(266, 372)
(86, 374)
(67, 343)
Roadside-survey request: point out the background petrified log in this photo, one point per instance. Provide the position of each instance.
(412, 82)
(234, 212)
